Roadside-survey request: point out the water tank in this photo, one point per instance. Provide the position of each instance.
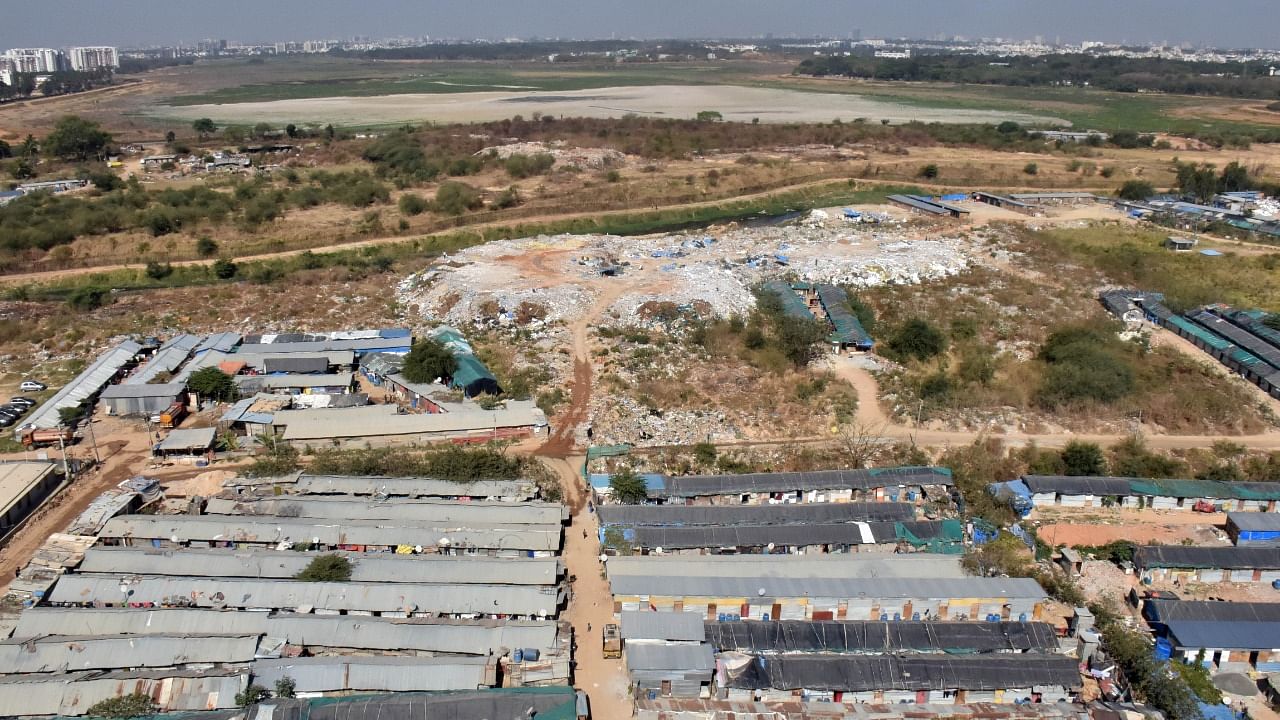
(1164, 649)
(517, 656)
(531, 654)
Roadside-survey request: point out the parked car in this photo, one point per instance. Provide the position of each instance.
(13, 412)
(6, 421)
(24, 401)
(32, 386)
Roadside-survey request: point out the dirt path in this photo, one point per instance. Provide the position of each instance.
(591, 605)
(121, 458)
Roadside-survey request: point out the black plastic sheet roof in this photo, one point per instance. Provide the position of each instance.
(1225, 558)
(880, 637)
(696, 485)
(800, 513)
(856, 673)
(779, 535)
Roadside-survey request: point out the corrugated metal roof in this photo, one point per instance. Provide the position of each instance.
(515, 414)
(796, 709)
(158, 390)
(546, 703)
(366, 567)
(1189, 556)
(422, 512)
(37, 621)
(792, 305)
(222, 342)
(86, 384)
(74, 693)
(270, 382)
(362, 345)
(663, 656)
(459, 637)
(1256, 521)
(352, 532)
(699, 485)
(848, 533)
(722, 515)
(835, 302)
(168, 358)
(879, 637)
(1118, 486)
(413, 487)
(775, 587)
(919, 204)
(282, 594)
(819, 567)
(1211, 610)
(188, 439)
(648, 625)
(858, 673)
(1076, 485)
(382, 674)
(67, 653)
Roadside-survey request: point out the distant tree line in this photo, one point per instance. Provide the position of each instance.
(566, 51)
(1248, 80)
(131, 65)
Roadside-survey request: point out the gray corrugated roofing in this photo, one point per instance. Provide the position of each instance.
(780, 535)
(382, 674)
(1255, 521)
(697, 485)
(514, 414)
(919, 204)
(907, 588)
(364, 345)
(33, 655)
(366, 567)
(879, 637)
(168, 358)
(504, 704)
(413, 487)
(648, 625)
(857, 565)
(1225, 558)
(1224, 635)
(222, 342)
(858, 673)
(461, 637)
(721, 515)
(420, 511)
(188, 439)
(661, 656)
(296, 363)
(158, 390)
(342, 379)
(87, 383)
(74, 693)
(351, 532)
(135, 621)
(283, 594)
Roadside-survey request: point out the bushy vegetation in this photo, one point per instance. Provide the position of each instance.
(427, 361)
(627, 487)
(212, 384)
(124, 707)
(446, 463)
(522, 166)
(326, 568)
(1084, 363)
(917, 339)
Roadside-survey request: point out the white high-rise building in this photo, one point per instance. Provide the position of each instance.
(6, 71)
(92, 58)
(36, 60)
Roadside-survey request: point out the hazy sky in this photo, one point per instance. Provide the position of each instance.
(1224, 23)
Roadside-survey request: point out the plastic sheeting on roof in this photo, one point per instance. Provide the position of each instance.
(848, 330)
(792, 305)
(1224, 558)
(880, 637)
(857, 673)
(724, 515)
(85, 385)
(167, 359)
(698, 485)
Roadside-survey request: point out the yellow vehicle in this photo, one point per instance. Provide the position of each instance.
(612, 639)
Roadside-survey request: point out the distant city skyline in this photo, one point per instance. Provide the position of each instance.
(1224, 24)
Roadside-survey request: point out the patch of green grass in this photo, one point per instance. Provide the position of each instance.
(445, 77)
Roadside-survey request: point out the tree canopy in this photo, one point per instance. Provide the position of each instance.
(917, 339)
(427, 360)
(326, 568)
(123, 707)
(75, 138)
(212, 383)
(627, 487)
(204, 126)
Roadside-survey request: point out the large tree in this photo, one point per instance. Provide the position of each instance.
(75, 138)
(212, 383)
(204, 126)
(627, 487)
(427, 360)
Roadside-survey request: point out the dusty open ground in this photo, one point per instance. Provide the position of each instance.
(735, 103)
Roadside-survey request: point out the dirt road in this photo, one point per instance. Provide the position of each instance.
(591, 606)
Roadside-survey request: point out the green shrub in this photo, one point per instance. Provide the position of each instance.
(326, 568)
(917, 338)
(411, 204)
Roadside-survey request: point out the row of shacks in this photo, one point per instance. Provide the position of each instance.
(849, 629)
(1038, 491)
(806, 528)
(915, 485)
(1239, 339)
(452, 587)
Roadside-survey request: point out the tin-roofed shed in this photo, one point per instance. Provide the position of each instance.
(1254, 529)
(87, 384)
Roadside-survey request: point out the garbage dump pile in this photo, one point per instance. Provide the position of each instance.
(566, 273)
(585, 158)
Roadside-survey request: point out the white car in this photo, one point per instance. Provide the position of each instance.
(31, 386)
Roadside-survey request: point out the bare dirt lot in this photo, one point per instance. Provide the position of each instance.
(666, 101)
